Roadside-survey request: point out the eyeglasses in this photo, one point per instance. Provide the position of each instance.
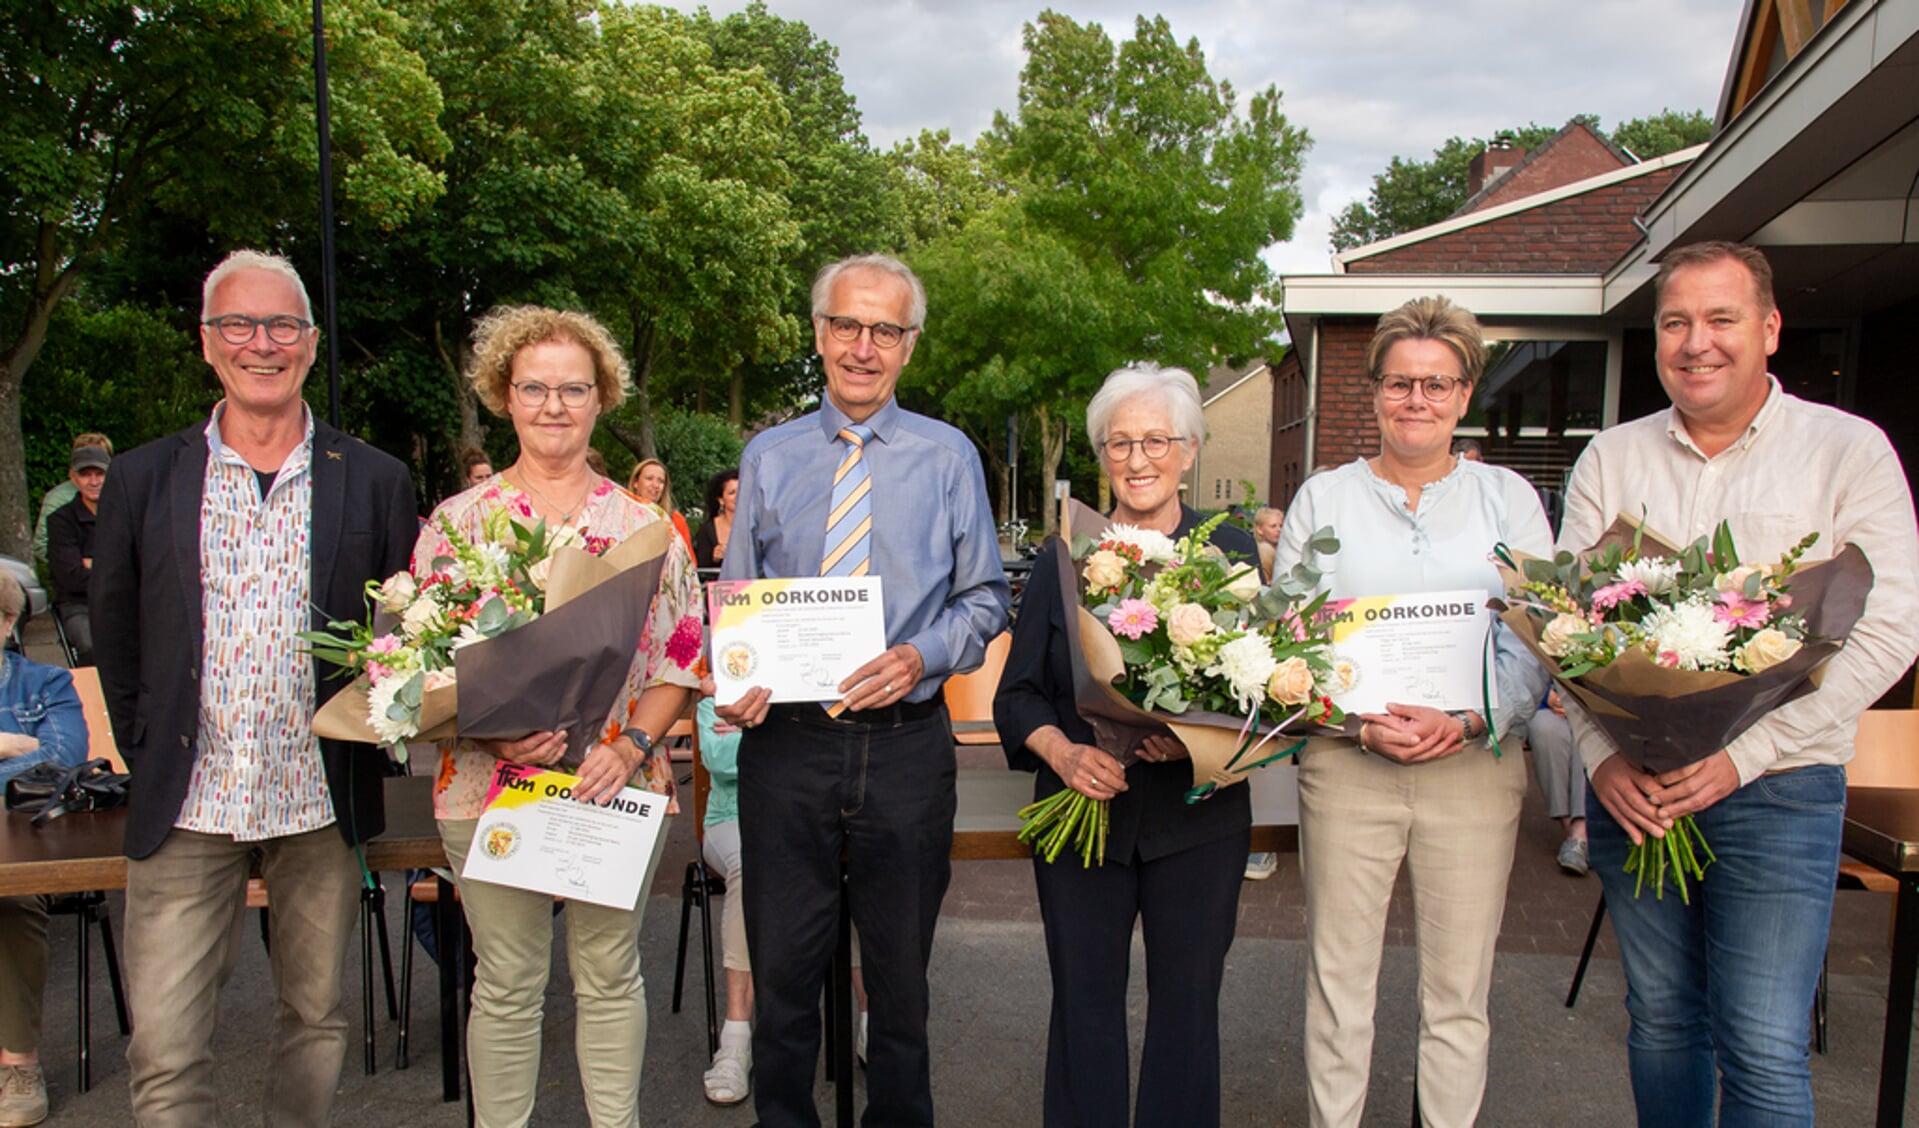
(238, 328)
(1155, 446)
(885, 333)
(1431, 388)
(532, 393)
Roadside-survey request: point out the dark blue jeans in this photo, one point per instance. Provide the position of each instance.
(884, 793)
(1720, 993)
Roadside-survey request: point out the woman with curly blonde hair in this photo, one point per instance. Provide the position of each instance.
(552, 373)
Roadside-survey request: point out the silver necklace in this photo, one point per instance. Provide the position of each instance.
(566, 512)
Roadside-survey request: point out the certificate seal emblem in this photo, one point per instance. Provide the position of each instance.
(501, 841)
(739, 660)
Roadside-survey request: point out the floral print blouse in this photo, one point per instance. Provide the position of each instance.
(670, 646)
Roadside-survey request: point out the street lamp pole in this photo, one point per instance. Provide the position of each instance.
(330, 314)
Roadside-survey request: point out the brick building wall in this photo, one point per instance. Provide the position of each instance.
(1572, 156)
(1346, 428)
(1290, 395)
(1580, 234)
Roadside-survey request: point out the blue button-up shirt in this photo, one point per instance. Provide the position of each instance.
(933, 542)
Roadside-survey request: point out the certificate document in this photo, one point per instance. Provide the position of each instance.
(1426, 649)
(799, 638)
(535, 835)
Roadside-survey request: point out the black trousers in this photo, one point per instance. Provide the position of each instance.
(78, 621)
(881, 790)
(1188, 906)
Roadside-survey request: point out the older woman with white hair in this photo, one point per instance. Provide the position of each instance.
(1419, 786)
(1172, 866)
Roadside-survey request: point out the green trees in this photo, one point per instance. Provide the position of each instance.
(117, 112)
(1138, 199)
(1413, 194)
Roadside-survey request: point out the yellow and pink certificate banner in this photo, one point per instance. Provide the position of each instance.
(535, 835)
(799, 638)
(1429, 648)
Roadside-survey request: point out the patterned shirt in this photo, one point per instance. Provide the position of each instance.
(258, 773)
(670, 644)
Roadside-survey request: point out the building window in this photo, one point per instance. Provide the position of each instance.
(1538, 403)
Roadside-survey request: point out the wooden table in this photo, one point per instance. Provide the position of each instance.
(1882, 830)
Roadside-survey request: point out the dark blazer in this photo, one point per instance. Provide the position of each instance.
(148, 632)
(1152, 814)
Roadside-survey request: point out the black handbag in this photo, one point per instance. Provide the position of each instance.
(47, 791)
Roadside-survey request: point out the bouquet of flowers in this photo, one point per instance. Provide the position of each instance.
(425, 664)
(1675, 652)
(1172, 636)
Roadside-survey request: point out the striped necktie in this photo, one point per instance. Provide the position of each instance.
(849, 524)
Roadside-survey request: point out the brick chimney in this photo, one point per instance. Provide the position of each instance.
(1497, 159)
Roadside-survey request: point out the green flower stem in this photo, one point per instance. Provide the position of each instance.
(1066, 817)
(1677, 854)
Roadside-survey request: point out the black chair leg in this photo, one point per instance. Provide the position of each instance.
(378, 896)
(112, 954)
(366, 982)
(1586, 954)
(82, 919)
(406, 977)
(706, 951)
(686, 913)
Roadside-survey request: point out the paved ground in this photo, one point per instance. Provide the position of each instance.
(989, 1013)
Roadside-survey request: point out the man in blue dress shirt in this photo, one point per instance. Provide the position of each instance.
(875, 781)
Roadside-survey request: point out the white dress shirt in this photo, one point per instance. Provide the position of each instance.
(1800, 468)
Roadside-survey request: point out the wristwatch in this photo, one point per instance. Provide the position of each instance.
(640, 740)
(1467, 724)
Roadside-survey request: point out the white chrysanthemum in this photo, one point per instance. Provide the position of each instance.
(1658, 575)
(379, 699)
(1154, 547)
(469, 634)
(1690, 634)
(493, 563)
(1247, 664)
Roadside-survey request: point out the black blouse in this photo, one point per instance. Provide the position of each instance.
(1151, 817)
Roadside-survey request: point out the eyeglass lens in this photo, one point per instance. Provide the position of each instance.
(532, 393)
(1430, 387)
(885, 333)
(238, 328)
(1155, 446)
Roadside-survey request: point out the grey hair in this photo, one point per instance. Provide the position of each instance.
(1175, 387)
(12, 599)
(253, 260)
(886, 264)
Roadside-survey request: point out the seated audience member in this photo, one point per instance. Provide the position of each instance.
(596, 462)
(475, 467)
(1469, 450)
(1266, 523)
(62, 493)
(1562, 779)
(40, 723)
(722, 493)
(727, 1082)
(70, 549)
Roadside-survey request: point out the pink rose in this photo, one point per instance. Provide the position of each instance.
(1188, 623)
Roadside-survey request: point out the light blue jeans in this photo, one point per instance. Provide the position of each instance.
(1720, 992)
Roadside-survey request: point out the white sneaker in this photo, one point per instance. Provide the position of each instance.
(727, 1082)
(1259, 867)
(23, 1095)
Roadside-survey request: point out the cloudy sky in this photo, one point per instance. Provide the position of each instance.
(1368, 79)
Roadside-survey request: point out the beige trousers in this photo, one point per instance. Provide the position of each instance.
(185, 904)
(513, 951)
(1453, 821)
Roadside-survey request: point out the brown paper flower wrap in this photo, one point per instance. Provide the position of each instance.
(1660, 718)
(563, 670)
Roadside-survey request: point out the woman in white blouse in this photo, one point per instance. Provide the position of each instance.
(1420, 786)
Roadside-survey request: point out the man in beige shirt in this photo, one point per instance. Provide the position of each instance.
(1719, 990)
